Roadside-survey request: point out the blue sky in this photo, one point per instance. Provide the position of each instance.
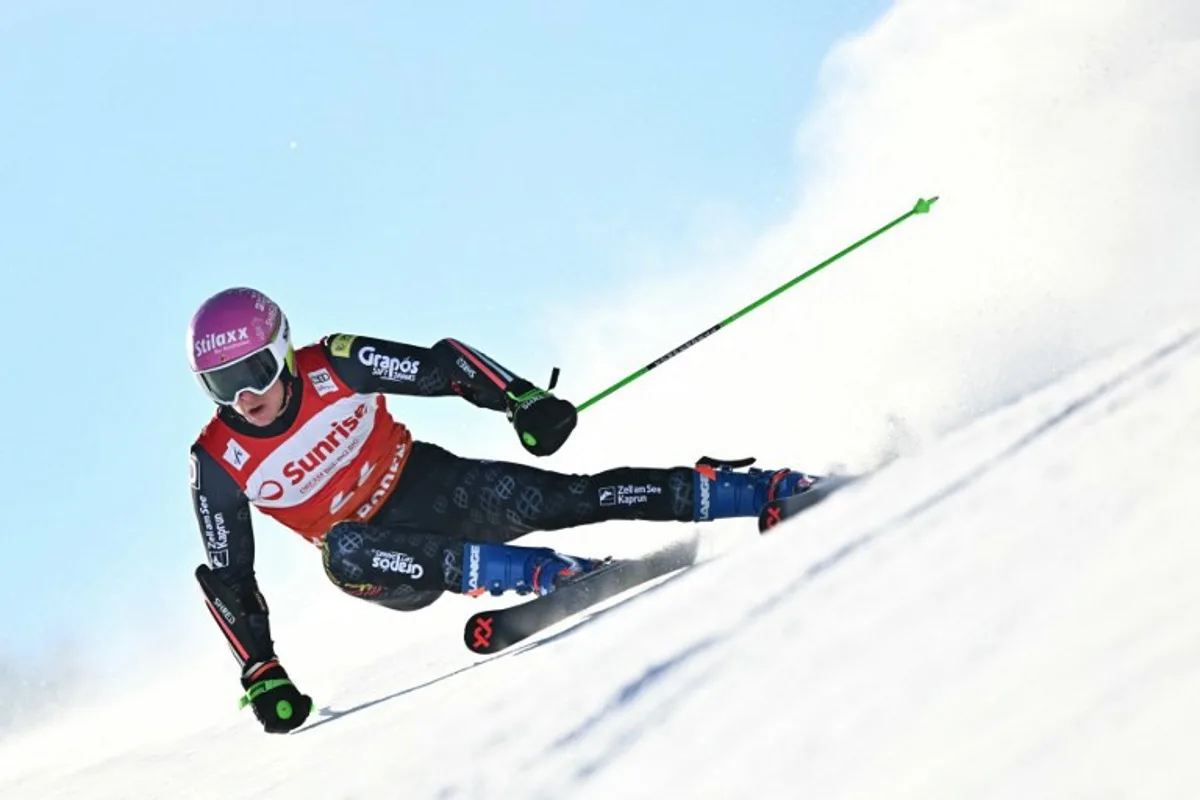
(405, 170)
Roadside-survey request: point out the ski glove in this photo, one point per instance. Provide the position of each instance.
(542, 420)
(277, 702)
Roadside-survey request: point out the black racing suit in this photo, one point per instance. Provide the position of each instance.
(439, 501)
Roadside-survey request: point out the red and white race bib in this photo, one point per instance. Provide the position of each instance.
(339, 460)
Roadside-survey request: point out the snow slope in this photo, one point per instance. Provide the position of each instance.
(1012, 613)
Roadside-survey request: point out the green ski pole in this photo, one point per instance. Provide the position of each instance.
(921, 207)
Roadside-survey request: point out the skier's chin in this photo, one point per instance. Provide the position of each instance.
(259, 414)
(262, 410)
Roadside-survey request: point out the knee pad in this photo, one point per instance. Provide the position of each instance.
(341, 553)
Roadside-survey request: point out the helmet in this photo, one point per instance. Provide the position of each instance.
(238, 341)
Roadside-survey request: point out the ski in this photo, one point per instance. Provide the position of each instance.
(492, 631)
(776, 511)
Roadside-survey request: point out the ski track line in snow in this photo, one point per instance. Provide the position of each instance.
(329, 714)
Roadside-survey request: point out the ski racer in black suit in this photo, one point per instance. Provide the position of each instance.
(305, 436)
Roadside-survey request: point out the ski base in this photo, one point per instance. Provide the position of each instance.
(489, 632)
(776, 511)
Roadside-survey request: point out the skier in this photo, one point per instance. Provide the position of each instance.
(307, 438)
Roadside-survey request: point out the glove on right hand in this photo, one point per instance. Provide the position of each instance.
(542, 420)
(277, 702)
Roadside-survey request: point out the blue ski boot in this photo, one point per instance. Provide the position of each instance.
(498, 568)
(719, 492)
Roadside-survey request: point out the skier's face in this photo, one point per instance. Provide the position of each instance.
(261, 409)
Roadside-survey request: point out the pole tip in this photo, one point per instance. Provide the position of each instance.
(923, 206)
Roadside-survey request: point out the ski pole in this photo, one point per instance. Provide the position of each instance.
(921, 207)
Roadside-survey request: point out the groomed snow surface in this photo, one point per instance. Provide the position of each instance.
(1015, 612)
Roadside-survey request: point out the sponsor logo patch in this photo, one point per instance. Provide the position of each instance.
(215, 341)
(270, 490)
(628, 494)
(323, 382)
(306, 462)
(387, 367)
(473, 568)
(216, 534)
(466, 367)
(635, 494)
(397, 562)
(340, 345)
(224, 609)
(235, 455)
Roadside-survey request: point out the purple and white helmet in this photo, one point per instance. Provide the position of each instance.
(238, 341)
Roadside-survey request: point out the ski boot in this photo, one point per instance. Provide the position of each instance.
(719, 492)
(498, 568)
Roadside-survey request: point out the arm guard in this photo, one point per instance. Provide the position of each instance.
(228, 581)
(236, 618)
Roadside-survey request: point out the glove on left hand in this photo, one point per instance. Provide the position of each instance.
(277, 702)
(542, 420)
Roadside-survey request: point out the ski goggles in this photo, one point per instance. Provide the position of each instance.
(254, 373)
